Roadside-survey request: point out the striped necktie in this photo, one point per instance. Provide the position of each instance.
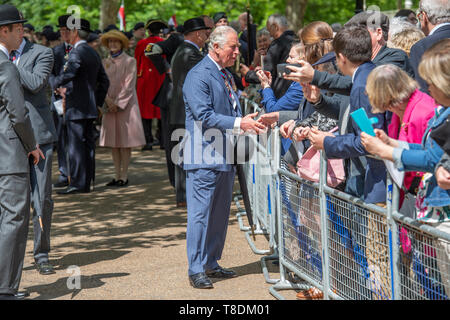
(229, 83)
(12, 56)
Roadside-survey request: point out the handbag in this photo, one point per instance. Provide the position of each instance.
(308, 167)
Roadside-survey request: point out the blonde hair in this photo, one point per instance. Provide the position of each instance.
(434, 67)
(405, 39)
(388, 86)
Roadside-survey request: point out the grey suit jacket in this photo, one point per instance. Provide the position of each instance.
(16, 134)
(35, 65)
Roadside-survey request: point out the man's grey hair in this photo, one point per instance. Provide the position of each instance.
(83, 34)
(438, 11)
(263, 32)
(279, 20)
(220, 36)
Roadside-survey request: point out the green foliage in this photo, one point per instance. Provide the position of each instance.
(44, 12)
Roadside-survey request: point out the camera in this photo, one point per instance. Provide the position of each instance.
(281, 68)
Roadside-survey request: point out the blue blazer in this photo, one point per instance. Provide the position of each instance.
(419, 48)
(424, 157)
(89, 83)
(350, 146)
(210, 118)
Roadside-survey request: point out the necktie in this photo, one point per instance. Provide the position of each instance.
(68, 49)
(229, 83)
(12, 56)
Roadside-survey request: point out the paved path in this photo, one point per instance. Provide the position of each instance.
(129, 243)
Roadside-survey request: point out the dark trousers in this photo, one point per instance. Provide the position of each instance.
(81, 144)
(180, 173)
(165, 142)
(61, 147)
(42, 203)
(147, 125)
(14, 220)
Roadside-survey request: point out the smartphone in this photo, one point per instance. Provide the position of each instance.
(281, 68)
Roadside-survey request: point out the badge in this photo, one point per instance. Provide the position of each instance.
(149, 47)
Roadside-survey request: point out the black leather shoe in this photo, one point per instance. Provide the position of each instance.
(22, 294)
(147, 147)
(113, 182)
(70, 190)
(122, 183)
(220, 272)
(200, 281)
(45, 268)
(61, 184)
(8, 297)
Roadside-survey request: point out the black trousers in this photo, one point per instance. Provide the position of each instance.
(81, 144)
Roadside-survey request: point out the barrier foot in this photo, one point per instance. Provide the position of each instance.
(252, 244)
(240, 214)
(274, 256)
(286, 285)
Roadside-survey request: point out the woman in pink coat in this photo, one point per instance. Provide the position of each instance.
(121, 122)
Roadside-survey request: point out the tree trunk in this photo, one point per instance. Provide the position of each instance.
(108, 13)
(399, 4)
(295, 12)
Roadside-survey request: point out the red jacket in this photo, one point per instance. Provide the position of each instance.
(149, 80)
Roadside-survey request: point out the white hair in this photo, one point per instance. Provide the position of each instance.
(220, 36)
(279, 20)
(438, 11)
(399, 24)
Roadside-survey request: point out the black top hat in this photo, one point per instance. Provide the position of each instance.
(85, 25)
(138, 26)
(219, 15)
(62, 20)
(9, 15)
(194, 24)
(155, 24)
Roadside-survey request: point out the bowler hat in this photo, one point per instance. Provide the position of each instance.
(138, 25)
(10, 15)
(194, 24)
(29, 26)
(218, 16)
(155, 24)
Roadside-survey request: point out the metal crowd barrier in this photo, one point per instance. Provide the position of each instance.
(328, 239)
(352, 250)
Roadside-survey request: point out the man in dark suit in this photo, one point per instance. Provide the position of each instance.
(61, 55)
(35, 64)
(90, 84)
(434, 18)
(186, 56)
(377, 24)
(17, 142)
(278, 52)
(212, 106)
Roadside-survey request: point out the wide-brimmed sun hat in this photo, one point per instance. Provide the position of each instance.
(114, 34)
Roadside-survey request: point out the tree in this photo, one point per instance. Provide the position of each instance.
(295, 12)
(108, 13)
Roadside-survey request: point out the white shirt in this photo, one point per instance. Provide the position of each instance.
(237, 122)
(437, 27)
(19, 51)
(194, 44)
(78, 43)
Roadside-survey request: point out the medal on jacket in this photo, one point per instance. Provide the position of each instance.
(65, 66)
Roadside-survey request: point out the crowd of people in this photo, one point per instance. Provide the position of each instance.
(73, 89)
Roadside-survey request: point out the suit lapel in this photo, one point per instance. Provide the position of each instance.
(216, 74)
(28, 46)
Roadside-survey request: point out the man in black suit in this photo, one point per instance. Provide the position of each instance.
(186, 56)
(278, 52)
(434, 17)
(61, 55)
(90, 84)
(377, 24)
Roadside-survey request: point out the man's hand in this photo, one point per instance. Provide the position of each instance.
(301, 133)
(36, 154)
(269, 118)
(248, 124)
(316, 137)
(443, 178)
(286, 129)
(303, 74)
(311, 93)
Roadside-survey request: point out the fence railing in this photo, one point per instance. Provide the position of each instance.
(333, 241)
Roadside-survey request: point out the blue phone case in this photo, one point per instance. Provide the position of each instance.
(363, 121)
